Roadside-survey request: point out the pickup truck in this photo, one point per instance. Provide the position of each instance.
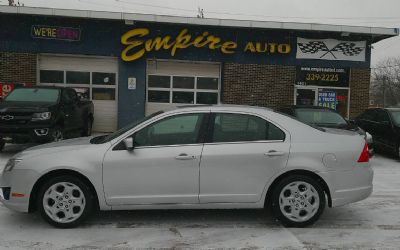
(43, 114)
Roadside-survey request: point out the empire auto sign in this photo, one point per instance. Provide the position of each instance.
(138, 42)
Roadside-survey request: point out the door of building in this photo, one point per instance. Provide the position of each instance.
(306, 96)
(94, 78)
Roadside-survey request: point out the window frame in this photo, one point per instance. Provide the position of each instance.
(171, 89)
(200, 138)
(90, 85)
(211, 122)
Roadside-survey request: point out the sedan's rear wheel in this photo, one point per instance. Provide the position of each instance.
(298, 201)
(65, 201)
(2, 144)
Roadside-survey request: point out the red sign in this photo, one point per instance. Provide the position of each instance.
(6, 88)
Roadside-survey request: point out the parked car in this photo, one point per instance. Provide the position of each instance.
(326, 118)
(43, 114)
(384, 126)
(218, 157)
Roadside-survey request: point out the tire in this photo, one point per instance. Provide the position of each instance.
(57, 134)
(65, 201)
(397, 151)
(2, 144)
(87, 130)
(298, 201)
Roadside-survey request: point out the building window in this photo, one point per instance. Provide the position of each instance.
(182, 89)
(52, 76)
(88, 85)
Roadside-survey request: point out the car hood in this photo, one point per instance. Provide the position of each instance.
(54, 147)
(26, 106)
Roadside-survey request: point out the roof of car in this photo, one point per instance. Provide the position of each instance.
(307, 107)
(223, 106)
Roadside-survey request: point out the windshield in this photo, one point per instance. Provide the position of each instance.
(33, 95)
(396, 117)
(320, 117)
(107, 138)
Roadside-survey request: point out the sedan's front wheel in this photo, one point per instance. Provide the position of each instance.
(298, 201)
(65, 201)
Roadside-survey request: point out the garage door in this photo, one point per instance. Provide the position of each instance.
(92, 77)
(171, 84)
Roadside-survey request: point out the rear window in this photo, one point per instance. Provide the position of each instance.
(33, 95)
(320, 117)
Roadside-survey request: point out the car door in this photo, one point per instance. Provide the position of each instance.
(366, 121)
(384, 128)
(241, 154)
(68, 110)
(76, 111)
(162, 168)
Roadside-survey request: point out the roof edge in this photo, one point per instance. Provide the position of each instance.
(373, 31)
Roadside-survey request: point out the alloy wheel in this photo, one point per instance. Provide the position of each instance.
(299, 201)
(64, 202)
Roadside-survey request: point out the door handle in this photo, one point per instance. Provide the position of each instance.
(274, 153)
(185, 157)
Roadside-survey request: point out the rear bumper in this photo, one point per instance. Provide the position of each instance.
(350, 186)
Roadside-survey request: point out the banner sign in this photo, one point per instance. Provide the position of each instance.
(331, 49)
(327, 99)
(55, 32)
(333, 77)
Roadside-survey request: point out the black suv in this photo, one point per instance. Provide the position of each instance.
(384, 126)
(43, 114)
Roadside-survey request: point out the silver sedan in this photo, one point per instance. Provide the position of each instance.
(218, 157)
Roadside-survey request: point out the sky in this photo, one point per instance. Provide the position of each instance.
(371, 13)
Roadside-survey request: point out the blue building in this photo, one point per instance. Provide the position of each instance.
(131, 65)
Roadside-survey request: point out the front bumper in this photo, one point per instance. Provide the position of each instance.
(38, 133)
(19, 182)
(350, 186)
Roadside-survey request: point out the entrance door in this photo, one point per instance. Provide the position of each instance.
(306, 97)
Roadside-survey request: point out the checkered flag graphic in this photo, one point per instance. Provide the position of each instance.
(313, 47)
(348, 49)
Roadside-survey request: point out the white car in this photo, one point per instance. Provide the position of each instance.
(214, 157)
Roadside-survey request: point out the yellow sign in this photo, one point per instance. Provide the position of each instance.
(137, 44)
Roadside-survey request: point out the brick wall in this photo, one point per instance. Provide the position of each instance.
(17, 67)
(261, 85)
(359, 91)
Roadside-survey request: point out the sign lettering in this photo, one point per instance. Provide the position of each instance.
(137, 44)
(57, 33)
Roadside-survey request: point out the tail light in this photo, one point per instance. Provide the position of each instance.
(364, 156)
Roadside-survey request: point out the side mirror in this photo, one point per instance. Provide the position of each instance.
(129, 143)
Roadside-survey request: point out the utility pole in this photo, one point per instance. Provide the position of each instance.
(200, 13)
(384, 90)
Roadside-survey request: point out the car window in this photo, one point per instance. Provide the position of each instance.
(319, 117)
(382, 116)
(369, 115)
(72, 94)
(239, 127)
(65, 97)
(175, 130)
(396, 117)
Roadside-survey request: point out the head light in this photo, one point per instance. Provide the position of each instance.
(41, 116)
(11, 164)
